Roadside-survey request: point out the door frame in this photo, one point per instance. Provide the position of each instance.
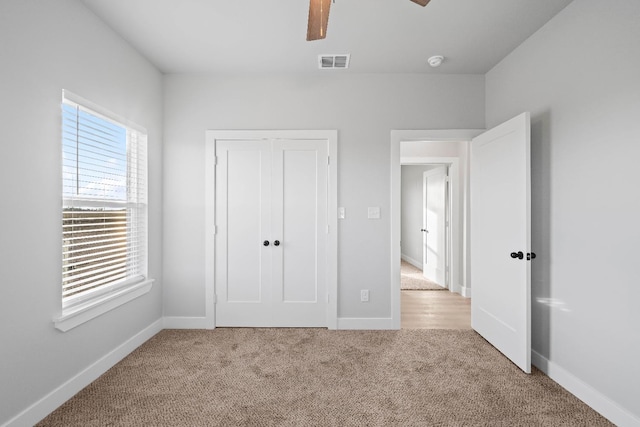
(460, 251)
(331, 136)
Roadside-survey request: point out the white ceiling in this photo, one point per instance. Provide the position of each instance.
(269, 36)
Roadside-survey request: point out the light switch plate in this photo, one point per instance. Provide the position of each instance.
(374, 212)
(342, 214)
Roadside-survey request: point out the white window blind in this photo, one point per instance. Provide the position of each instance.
(104, 202)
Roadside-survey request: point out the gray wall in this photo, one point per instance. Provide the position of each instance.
(46, 46)
(364, 109)
(411, 211)
(579, 78)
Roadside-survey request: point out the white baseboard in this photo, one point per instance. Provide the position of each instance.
(592, 397)
(465, 291)
(66, 391)
(461, 290)
(416, 264)
(185, 323)
(365, 323)
(456, 288)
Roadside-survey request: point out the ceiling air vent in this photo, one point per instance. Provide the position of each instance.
(327, 62)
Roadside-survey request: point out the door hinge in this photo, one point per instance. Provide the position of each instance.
(215, 161)
(215, 298)
(215, 229)
(327, 229)
(327, 298)
(328, 160)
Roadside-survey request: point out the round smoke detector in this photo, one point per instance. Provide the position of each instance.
(436, 60)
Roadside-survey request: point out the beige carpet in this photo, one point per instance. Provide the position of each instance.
(411, 279)
(316, 377)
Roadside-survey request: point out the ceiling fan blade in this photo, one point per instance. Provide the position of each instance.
(318, 19)
(421, 2)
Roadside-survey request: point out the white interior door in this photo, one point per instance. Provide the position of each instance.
(271, 212)
(299, 225)
(243, 213)
(434, 188)
(500, 226)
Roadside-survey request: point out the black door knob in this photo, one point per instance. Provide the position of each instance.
(518, 255)
(265, 243)
(276, 243)
(424, 230)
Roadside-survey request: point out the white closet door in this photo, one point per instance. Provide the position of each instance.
(299, 223)
(272, 191)
(243, 213)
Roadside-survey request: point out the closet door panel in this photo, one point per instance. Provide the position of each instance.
(299, 219)
(243, 210)
(244, 226)
(300, 226)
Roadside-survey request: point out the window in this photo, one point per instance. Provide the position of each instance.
(104, 206)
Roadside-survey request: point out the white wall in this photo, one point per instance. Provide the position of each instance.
(46, 46)
(364, 109)
(411, 211)
(579, 78)
(430, 149)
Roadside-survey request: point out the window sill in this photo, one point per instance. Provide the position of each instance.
(81, 313)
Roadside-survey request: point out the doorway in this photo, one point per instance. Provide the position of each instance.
(426, 302)
(445, 147)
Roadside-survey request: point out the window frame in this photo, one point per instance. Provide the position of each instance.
(79, 308)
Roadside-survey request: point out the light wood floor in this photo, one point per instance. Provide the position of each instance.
(434, 310)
